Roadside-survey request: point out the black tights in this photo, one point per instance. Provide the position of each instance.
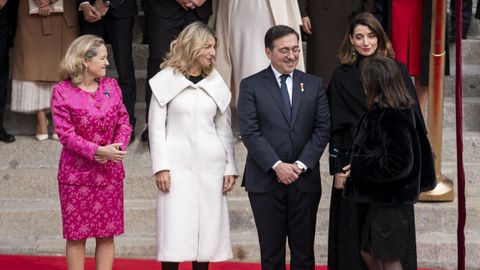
(174, 265)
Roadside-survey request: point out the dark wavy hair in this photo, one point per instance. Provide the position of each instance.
(384, 84)
(384, 46)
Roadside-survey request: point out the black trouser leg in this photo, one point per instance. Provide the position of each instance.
(170, 265)
(4, 60)
(302, 220)
(161, 32)
(270, 214)
(466, 16)
(120, 35)
(200, 265)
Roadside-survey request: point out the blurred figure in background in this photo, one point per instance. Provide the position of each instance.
(466, 19)
(164, 19)
(8, 19)
(241, 26)
(40, 44)
(113, 21)
(325, 23)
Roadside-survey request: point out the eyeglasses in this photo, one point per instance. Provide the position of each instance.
(286, 51)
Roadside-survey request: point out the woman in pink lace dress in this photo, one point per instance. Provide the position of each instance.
(92, 125)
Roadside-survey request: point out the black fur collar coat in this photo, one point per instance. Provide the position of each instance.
(387, 163)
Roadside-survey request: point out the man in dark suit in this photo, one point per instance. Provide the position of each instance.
(113, 20)
(8, 17)
(164, 20)
(285, 125)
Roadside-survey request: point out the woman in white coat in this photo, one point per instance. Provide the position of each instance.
(192, 150)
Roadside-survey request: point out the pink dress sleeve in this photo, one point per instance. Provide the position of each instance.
(64, 127)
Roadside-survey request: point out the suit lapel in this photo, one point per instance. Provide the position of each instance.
(297, 93)
(272, 85)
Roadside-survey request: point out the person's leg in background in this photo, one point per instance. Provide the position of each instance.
(7, 19)
(120, 36)
(466, 18)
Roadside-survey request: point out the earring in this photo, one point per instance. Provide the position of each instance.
(353, 51)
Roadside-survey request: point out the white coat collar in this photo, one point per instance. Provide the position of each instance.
(167, 84)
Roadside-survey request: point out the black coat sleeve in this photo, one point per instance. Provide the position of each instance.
(383, 150)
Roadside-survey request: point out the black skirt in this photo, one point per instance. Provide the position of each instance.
(386, 231)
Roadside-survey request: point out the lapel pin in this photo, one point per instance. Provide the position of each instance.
(301, 87)
(106, 92)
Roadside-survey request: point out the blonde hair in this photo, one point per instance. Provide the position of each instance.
(384, 47)
(83, 48)
(187, 47)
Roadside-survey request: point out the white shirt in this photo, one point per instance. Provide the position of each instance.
(289, 82)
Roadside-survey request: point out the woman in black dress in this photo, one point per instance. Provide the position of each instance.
(347, 100)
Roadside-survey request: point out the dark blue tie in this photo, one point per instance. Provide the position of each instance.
(285, 97)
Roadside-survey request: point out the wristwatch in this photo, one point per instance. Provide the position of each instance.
(300, 167)
(106, 3)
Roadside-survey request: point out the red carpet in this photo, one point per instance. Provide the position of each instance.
(21, 262)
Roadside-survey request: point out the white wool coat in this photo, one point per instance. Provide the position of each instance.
(190, 135)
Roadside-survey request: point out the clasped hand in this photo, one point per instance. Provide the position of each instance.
(44, 7)
(2, 3)
(95, 12)
(190, 4)
(340, 179)
(287, 173)
(111, 152)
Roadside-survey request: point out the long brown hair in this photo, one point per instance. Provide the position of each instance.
(384, 84)
(384, 47)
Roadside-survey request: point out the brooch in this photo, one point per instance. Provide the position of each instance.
(106, 92)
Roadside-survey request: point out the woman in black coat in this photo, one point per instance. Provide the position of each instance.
(347, 100)
(386, 165)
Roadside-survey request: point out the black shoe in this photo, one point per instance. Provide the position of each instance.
(144, 136)
(5, 137)
(132, 138)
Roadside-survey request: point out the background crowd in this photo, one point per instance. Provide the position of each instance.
(42, 38)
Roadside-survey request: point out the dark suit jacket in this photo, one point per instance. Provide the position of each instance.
(269, 136)
(171, 9)
(118, 8)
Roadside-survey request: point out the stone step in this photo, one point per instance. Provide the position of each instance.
(28, 217)
(470, 85)
(26, 152)
(470, 52)
(41, 183)
(471, 146)
(140, 57)
(434, 250)
(474, 30)
(471, 108)
(46, 153)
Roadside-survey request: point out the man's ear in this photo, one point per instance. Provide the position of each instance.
(268, 52)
